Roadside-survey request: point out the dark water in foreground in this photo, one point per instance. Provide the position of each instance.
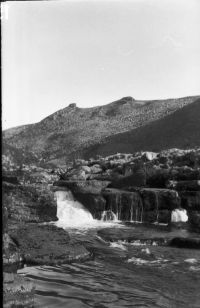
(121, 274)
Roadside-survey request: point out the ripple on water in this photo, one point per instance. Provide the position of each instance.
(122, 274)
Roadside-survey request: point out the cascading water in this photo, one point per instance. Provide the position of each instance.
(157, 205)
(136, 209)
(179, 215)
(118, 204)
(71, 213)
(109, 216)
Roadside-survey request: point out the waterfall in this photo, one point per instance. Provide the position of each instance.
(179, 215)
(157, 206)
(118, 203)
(71, 213)
(136, 209)
(109, 216)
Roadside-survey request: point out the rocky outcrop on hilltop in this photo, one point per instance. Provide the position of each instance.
(68, 132)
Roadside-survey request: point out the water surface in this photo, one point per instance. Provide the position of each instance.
(121, 272)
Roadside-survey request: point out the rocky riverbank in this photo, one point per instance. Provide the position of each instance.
(27, 240)
(143, 187)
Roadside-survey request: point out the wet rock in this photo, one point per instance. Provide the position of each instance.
(182, 242)
(190, 200)
(187, 185)
(161, 216)
(47, 244)
(95, 203)
(194, 220)
(137, 234)
(126, 205)
(159, 199)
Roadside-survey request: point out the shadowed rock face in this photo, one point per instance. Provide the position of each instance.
(190, 200)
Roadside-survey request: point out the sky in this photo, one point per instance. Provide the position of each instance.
(91, 53)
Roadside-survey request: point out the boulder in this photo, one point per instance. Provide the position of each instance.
(126, 205)
(187, 185)
(194, 220)
(47, 244)
(137, 179)
(150, 155)
(182, 242)
(95, 203)
(96, 169)
(28, 203)
(90, 186)
(87, 169)
(78, 175)
(160, 216)
(190, 200)
(159, 199)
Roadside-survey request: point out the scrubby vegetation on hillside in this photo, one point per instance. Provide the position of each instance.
(69, 131)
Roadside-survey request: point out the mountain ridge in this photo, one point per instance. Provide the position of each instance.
(180, 129)
(71, 129)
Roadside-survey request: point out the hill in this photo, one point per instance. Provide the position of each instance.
(180, 129)
(66, 133)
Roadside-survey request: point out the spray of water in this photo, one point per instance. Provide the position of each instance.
(109, 216)
(179, 215)
(72, 214)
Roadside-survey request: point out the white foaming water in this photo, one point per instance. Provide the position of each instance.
(179, 215)
(72, 214)
(118, 244)
(108, 216)
(192, 260)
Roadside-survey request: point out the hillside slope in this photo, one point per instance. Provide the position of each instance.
(70, 130)
(178, 130)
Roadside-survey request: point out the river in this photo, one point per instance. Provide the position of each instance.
(122, 272)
